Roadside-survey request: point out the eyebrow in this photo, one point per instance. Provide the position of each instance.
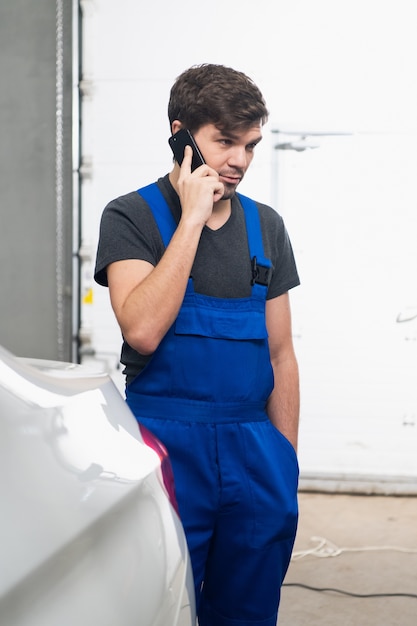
(235, 137)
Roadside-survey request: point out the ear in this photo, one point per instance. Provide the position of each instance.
(175, 126)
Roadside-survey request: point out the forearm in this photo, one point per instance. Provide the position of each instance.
(284, 403)
(151, 306)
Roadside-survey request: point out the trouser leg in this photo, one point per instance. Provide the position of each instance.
(255, 531)
(193, 453)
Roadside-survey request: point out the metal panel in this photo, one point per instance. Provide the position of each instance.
(36, 177)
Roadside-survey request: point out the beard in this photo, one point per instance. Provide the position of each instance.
(229, 191)
(230, 188)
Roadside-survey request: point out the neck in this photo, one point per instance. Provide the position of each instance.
(220, 215)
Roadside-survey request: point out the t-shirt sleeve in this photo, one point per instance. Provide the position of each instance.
(285, 276)
(279, 249)
(127, 231)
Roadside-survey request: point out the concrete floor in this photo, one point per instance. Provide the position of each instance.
(372, 525)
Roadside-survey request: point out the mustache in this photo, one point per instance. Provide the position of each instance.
(232, 173)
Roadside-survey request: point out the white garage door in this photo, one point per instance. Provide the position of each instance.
(350, 205)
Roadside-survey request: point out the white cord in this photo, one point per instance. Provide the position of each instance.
(326, 548)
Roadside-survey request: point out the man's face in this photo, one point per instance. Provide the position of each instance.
(229, 153)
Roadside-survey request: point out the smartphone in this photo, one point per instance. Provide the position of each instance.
(178, 142)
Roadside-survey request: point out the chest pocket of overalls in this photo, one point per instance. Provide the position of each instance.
(221, 345)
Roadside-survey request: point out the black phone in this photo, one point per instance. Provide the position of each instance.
(178, 142)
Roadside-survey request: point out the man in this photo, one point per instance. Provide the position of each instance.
(199, 278)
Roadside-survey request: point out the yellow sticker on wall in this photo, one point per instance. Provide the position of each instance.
(88, 298)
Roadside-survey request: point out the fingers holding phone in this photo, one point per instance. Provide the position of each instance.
(179, 141)
(198, 190)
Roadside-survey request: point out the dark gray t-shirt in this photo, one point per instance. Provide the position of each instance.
(222, 266)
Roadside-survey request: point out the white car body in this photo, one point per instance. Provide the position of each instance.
(89, 535)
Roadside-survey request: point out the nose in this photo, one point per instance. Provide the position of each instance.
(238, 157)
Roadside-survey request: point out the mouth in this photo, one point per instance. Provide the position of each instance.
(230, 179)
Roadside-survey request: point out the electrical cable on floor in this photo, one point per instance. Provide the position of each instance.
(326, 549)
(351, 593)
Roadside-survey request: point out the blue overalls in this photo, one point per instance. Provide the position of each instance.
(203, 393)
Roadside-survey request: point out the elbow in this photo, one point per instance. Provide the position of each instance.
(144, 343)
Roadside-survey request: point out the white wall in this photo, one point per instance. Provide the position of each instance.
(350, 204)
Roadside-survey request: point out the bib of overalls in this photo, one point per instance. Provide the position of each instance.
(214, 361)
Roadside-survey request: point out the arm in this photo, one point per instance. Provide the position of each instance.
(284, 402)
(146, 299)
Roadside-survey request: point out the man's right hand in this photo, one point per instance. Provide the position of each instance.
(198, 190)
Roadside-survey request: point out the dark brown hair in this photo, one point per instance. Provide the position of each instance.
(215, 94)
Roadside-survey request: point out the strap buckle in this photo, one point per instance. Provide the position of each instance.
(261, 274)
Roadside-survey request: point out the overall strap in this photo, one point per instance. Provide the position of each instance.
(261, 266)
(160, 210)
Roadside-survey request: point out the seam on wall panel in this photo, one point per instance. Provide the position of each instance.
(59, 173)
(76, 180)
